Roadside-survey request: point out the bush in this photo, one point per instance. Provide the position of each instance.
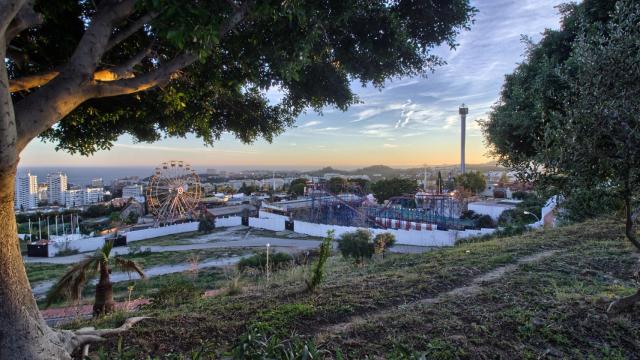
(175, 293)
(277, 261)
(485, 221)
(205, 226)
(357, 245)
(383, 241)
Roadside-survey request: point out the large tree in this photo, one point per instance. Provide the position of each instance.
(587, 135)
(471, 181)
(81, 73)
(566, 119)
(384, 190)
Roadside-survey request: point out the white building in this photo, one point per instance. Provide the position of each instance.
(80, 197)
(74, 197)
(132, 191)
(57, 188)
(97, 183)
(26, 192)
(93, 195)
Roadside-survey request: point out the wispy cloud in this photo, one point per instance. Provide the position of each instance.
(389, 146)
(310, 124)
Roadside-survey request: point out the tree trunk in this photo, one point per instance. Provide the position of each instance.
(630, 225)
(23, 332)
(104, 303)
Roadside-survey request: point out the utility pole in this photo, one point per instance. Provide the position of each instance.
(463, 127)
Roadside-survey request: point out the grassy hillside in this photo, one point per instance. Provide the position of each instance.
(440, 304)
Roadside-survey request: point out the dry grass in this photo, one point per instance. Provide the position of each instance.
(540, 309)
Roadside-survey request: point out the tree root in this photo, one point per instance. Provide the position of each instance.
(624, 304)
(85, 336)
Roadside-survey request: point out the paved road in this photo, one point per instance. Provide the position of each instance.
(278, 244)
(40, 288)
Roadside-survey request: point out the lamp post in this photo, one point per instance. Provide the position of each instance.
(268, 246)
(532, 214)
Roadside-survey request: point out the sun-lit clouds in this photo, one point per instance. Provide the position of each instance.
(389, 146)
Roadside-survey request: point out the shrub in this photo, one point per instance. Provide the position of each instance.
(383, 241)
(175, 293)
(277, 261)
(317, 273)
(485, 221)
(357, 245)
(205, 226)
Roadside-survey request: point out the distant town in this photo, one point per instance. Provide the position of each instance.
(55, 192)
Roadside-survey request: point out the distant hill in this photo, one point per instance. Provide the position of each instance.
(384, 171)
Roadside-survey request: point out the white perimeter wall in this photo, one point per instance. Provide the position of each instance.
(493, 211)
(423, 237)
(161, 231)
(229, 221)
(80, 244)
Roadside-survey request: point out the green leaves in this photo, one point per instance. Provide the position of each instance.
(310, 50)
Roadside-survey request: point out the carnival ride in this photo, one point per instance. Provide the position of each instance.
(351, 206)
(173, 192)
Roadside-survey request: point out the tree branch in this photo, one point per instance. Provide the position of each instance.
(122, 71)
(144, 82)
(93, 43)
(163, 74)
(32, 81)
(8, 11)
(130, 30)
(125, 70)
(25, 18)
(75, 84)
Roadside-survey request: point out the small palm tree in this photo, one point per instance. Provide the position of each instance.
(72, 282)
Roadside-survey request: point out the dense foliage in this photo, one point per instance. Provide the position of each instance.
(472, 181)
(357, 245)
(385, 189)
(568, 117)
(310, 51)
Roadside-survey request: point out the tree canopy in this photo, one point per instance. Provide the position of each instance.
(471, 181)
(383, 190)
(206, 66)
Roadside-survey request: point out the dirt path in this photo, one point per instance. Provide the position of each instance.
(468, 290)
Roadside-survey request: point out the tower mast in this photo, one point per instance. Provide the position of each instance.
(463, 124)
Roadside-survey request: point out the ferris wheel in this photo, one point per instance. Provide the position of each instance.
(173, 192)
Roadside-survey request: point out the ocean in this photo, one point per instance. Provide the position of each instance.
(83, 175)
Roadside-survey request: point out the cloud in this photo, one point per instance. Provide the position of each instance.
(377, 110)
(389, 146)
(310, 123)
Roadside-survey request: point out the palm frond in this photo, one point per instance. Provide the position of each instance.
(106, 249)
(129, 266)
(72, 282)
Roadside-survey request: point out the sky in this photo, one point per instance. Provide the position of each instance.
(411, 122)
